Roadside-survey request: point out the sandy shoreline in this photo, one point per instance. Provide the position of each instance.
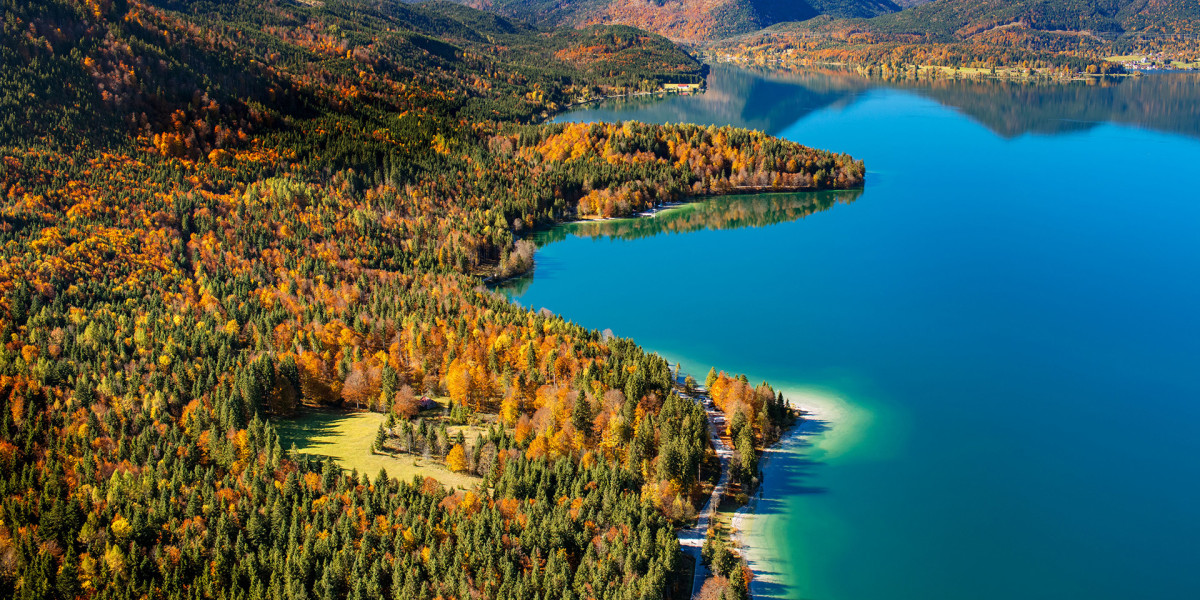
(823, 432)
(754, 543)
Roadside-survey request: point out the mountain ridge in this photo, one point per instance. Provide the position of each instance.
(682, 20)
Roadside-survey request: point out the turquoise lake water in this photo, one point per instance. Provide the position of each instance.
(1003, 327)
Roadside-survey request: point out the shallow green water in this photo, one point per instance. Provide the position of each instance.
(1003, 325)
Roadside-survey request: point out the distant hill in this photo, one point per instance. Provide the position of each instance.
(480, 64)
(966, 18)
(684, 20)
(1068, 36)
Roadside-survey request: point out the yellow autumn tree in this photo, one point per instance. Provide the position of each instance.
(456, 460)
(510, 409)
(459, 382)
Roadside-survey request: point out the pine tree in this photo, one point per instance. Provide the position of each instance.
(389, 383)
(380, 438)
(643, 445)
(738, 423)
(746, 455)
(68, 578)
(722, 559)
(581, 415)
(737, 589)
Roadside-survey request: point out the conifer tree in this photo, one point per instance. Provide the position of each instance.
(581, 415)
(380, 438)
(737, 589)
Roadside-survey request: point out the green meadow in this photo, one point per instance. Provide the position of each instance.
(348, 437)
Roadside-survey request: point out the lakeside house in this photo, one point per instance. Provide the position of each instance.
(681, 87)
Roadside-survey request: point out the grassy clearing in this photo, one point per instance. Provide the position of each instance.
(348, 436)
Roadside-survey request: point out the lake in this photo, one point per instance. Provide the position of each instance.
(1000, 331)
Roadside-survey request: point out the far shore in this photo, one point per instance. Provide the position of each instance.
(941, 72)
(549, 115)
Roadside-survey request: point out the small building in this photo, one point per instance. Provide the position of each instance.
(681, 87)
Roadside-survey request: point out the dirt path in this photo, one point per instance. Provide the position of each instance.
(691, 540)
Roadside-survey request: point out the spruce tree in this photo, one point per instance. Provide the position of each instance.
(746, 454)
(581, 415)
(380, 438)
(737, 584)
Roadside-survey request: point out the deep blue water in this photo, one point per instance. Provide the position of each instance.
(1004, 326)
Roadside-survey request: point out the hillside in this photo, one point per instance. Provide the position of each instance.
(1036, 34)
(967, 18)
(684, 20)
(217, 216)
(293, 61)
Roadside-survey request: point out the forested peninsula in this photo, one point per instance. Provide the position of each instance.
(220, 215)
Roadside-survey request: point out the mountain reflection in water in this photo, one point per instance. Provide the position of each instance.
(720, 212)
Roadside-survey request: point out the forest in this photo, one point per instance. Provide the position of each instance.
(220, 214)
